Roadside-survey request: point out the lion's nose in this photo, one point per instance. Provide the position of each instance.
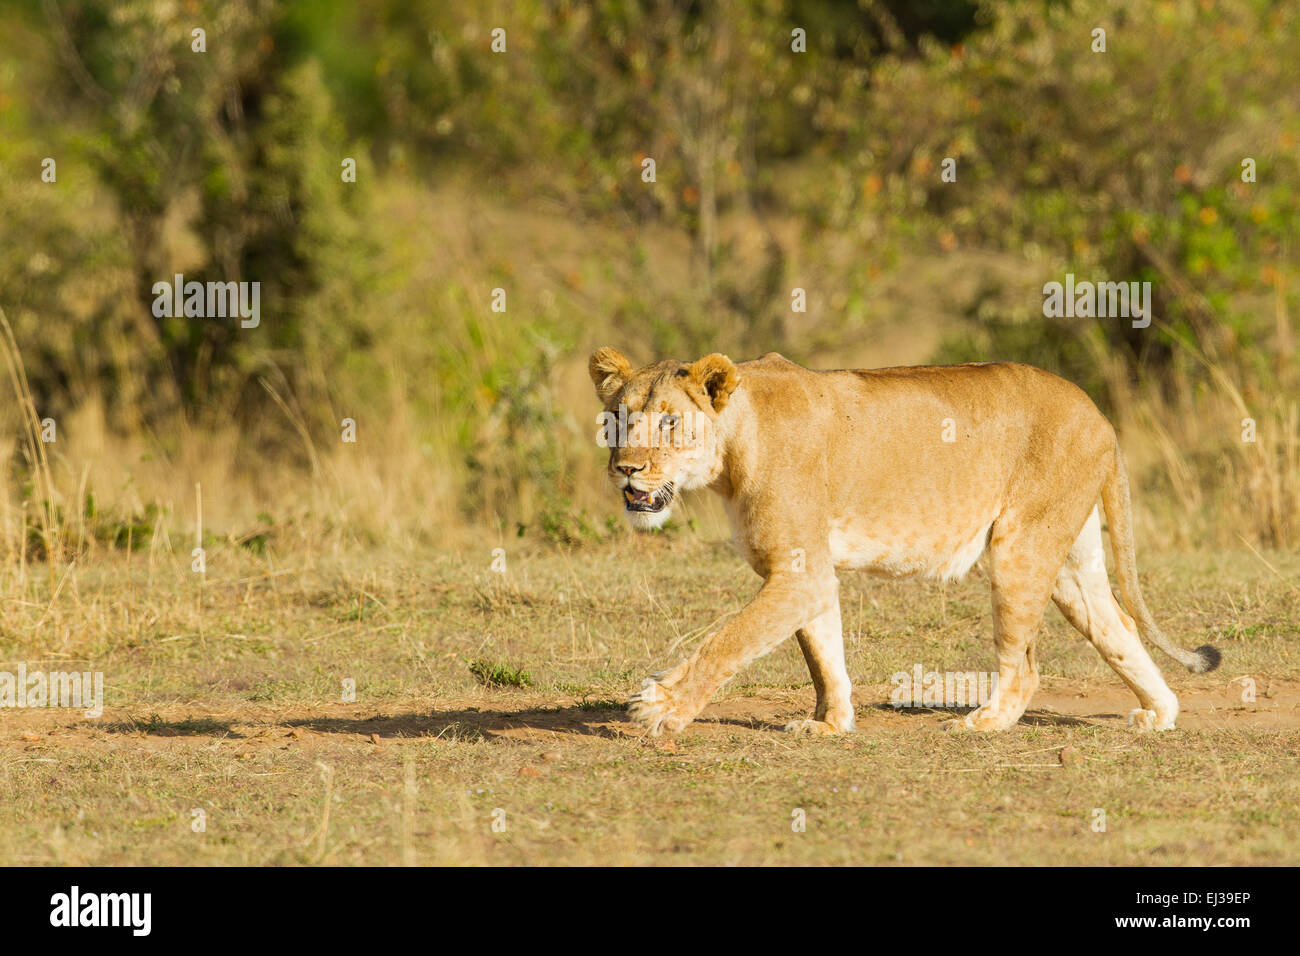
(629, 470)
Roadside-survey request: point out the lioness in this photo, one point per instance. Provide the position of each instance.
(898, 471)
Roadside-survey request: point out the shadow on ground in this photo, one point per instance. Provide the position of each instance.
(189, 727)
(470, 723)
(1032, 718)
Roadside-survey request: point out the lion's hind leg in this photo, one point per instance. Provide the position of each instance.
(1022, 573)
(1084, 596)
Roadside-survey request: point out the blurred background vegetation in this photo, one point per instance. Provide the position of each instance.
(521, 170)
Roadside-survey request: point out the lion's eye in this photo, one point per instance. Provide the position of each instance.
(669, 421)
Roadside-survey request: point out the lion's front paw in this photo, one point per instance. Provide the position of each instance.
(656, 708)
(1143, 720)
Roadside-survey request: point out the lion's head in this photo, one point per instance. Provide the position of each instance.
(661, 427)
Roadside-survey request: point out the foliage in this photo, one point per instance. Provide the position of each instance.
(774, 169)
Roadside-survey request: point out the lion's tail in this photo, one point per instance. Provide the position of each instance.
(1119, 516)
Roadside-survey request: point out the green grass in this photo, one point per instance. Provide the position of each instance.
(491, 674)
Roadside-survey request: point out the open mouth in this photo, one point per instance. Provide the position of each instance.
(648, 501)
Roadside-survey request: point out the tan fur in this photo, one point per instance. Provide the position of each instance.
(836, 470)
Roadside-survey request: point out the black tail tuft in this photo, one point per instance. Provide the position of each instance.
(1210, 658)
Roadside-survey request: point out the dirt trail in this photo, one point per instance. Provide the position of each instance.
(533, 716)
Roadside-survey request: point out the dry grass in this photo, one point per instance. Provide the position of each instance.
(1221, 458)
(226, 697)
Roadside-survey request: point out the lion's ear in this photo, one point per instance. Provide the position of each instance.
(717, 376)
(609, 372)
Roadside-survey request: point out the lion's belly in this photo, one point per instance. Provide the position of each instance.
(941, 553)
